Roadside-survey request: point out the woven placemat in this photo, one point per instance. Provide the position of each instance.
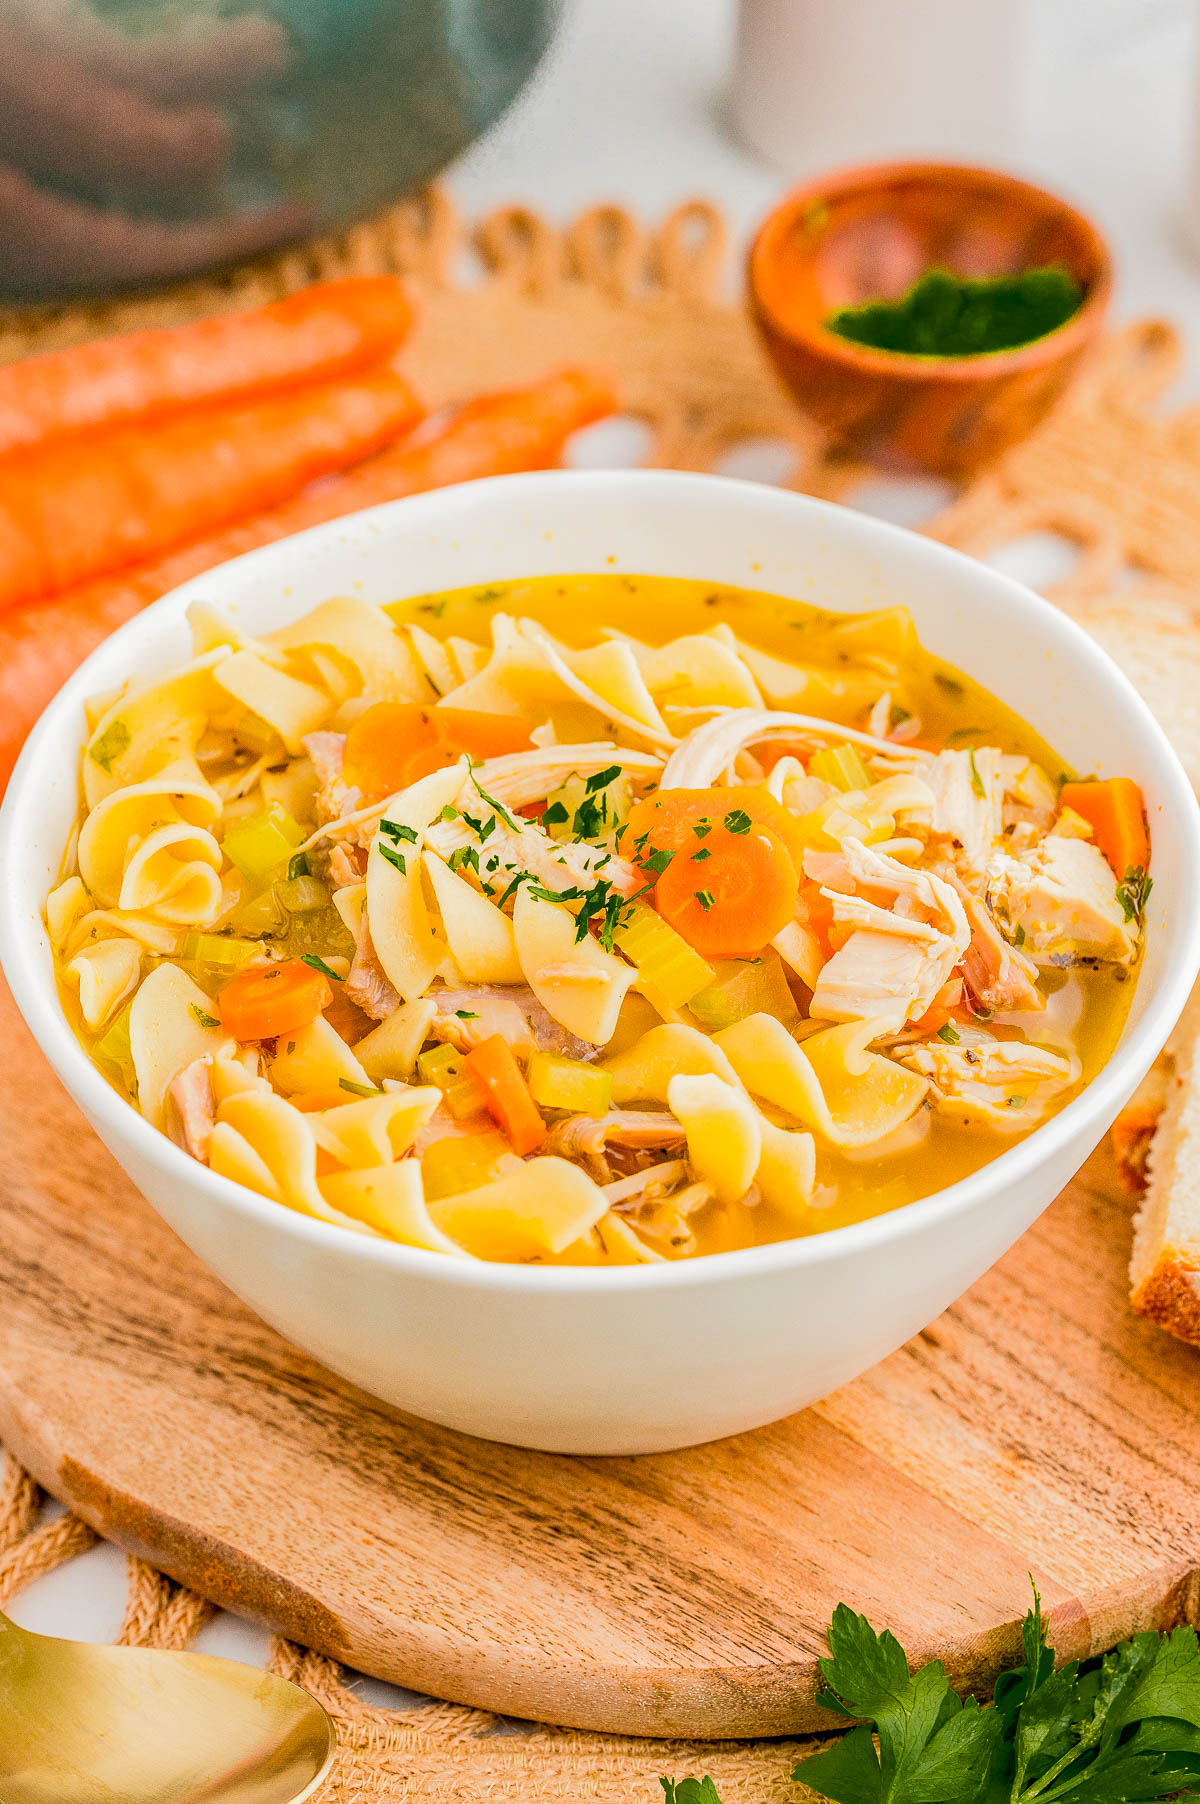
(1108, 472)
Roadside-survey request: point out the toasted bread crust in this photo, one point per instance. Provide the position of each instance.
(1169, 1295)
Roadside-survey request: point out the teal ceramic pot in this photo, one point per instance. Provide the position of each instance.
(144, 140)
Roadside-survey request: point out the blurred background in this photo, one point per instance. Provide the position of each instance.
(141, 139)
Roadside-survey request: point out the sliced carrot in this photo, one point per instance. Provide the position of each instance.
(1116, 813)
(729, 893)
(325, 331)
(40, 645)
(393, 744)
(508, 1097)
(816, 910)
(664, 820)
(77, 508)
(280, 999)
(942, 1009)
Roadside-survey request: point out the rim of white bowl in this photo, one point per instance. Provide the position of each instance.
(34, 991)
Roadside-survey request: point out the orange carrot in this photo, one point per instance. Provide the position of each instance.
(508, 1097)
(80, 507)
(280, 999)
(664, 820)
(1116, 813)
(329, 330)
(524, 429)
(392, 744)
(729, 892)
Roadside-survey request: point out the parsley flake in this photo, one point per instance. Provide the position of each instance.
(318, 964)
(555, 815)
(976, 779)
(737, 821)
(602, 778)
(397, 830)
(346, 1083)
(950, 1034)
(203, 1017)
(393, 857)
(467, 1014)
(1018, 936)
(705, 898)
(112, 742)
(1133, 893)
(702, 854)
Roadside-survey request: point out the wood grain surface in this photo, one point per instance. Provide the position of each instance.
(1035, 1427)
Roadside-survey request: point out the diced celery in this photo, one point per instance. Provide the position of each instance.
(255, 733)
(754, 986)
(446, 1068)
(216, 952)
(113, 1051)
(556, 1082)
(261, 916)
(582, 809)
(452, 1165)
(260, 843)
(662, 956)
(301, 895)
(827, 826)
(840, 765)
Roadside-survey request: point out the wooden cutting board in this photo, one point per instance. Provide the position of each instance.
(1037, 1425)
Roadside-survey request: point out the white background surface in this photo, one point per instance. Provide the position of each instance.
(631, 106)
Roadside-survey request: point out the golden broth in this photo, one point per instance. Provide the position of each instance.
(849, 653)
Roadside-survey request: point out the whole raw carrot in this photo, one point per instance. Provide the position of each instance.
(523, 430)
(331, 329)
(81, 507)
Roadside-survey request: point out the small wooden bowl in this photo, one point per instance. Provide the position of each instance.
(868, 234)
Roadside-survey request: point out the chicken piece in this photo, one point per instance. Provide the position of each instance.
(997, 975)
(347, 864)
(1060, 901)
(587, 1139)
(503, 851)
(367, 983)
(979, 1080)
(893, 970)
(470, 1015)
(334, 798)
(968, 804)
(882, 976)
(191, 1111)
(659, 1202)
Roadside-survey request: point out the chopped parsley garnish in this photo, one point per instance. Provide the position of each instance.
(1018, 936)
(397, 830)
(738, 821)
(976, 779)
(203, 1017)
(393, 857)
(346, 1083)
(1133, 893)
(590, 818)
(299, 866)
(702, 854)
(658, 860)
(112, 742)
(705, 898)
(464, 855)
(449, 812)
(949, 684)
(950, 1034)
(961, 733)
(432, 684)
(702, 829)
(602, 778)
(555, 815)
(318, 964)
(488, 828)
(498, 807)
(467, 1014)
(520, 878)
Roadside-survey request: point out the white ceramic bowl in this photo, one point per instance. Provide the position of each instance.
(631, 1359)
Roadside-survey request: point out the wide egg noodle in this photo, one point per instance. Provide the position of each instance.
(391, 1200)
(170, 1026)
(850, 1096)
(405, 938)
(574, 979)
(361, 634)
(479, 936)
(539, 1209)
(261, 1140)
(376, 1130)
(724, 1135)
(644, 1071)
(105, 972)
(292, 708)
(315, 1059)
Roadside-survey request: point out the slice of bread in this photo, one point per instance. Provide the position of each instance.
(1164, 1271)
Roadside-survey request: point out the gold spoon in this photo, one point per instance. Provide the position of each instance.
(132, 1725)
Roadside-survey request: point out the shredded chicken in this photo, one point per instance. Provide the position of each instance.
(334, 798)
(968, 803)
(507, 850)
(997, 974)
(885, 971)
(472, 1014)
(711, 749)
(588, 1139)
(191, 1115)
(1060, 900)
(367, 983)
(347, 864)
(982, 1080)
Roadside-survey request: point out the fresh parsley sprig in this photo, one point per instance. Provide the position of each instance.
(1121, 1730)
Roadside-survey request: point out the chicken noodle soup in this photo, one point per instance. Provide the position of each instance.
(590, 920)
